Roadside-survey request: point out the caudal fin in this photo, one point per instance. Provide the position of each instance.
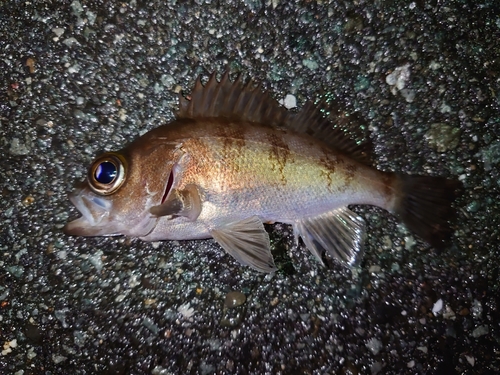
(425, 206)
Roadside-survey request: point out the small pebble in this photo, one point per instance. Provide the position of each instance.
(58, 31)
(234, 299)
(443, 137)
(28, 200)
(374, 345)
(289, 102)
(438, 306)
(470, 359)
(399, 76)
(480, 331)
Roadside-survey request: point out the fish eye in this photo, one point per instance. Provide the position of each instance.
(107, 174)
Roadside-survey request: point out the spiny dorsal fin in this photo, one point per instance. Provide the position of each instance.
(246, 102)
(338, 129)
(232, 100)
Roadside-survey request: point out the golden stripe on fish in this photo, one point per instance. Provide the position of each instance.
(234, 159)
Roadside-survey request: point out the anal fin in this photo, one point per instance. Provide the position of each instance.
(186, 202)
(340, 232)
(248, 242)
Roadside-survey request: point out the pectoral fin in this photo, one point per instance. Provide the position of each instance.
(339, 232)
(248, 242)
(186, 202)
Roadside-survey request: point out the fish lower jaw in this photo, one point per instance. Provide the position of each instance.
(82, 227)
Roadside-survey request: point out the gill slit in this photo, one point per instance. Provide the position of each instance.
(169, 186)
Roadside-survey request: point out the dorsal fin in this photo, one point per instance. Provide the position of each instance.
(246, 102)
(232, 100)
(340, 130)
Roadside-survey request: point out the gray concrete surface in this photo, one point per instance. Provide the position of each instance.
(80, 77)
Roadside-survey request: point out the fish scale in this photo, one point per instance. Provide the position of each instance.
(298, 185)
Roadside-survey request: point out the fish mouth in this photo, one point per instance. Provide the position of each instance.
(99, 219)
(81, 227)
(94, 211)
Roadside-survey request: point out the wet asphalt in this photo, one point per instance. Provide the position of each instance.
(78, 78)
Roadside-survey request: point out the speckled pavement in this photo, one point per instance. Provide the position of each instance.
(81, 77)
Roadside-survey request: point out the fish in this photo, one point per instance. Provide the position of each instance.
(234, 159)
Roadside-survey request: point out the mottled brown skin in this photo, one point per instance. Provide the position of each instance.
(278, 155)
(251, 169)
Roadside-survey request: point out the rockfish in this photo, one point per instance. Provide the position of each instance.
(234, 159)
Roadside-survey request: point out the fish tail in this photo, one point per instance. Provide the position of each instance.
(425, 207)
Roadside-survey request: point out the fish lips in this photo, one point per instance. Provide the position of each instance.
(81, 227)
(94, 210)
(98, 219)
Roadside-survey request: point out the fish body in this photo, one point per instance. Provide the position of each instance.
(233, 160)
(244, 169)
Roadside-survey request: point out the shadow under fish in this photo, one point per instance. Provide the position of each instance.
(234, 159)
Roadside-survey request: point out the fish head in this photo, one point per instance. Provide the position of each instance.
(120, 188)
